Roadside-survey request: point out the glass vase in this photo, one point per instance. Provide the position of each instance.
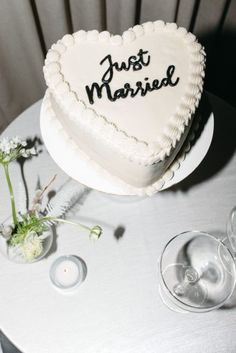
(18, 255)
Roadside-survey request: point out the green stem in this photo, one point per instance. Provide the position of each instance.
(66, 221)
(13, 207)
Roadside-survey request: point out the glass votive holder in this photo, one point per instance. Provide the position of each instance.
(197, 273)
(67, 273)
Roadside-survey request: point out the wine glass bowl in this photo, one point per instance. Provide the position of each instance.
(197, 272)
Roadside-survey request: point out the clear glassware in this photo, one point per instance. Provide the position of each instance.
(67, 272)
(231, 229)
(14, 254)
(197, 270)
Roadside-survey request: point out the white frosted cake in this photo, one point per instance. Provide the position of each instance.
(128, 101)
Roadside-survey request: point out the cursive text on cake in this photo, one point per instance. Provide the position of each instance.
(140, 88)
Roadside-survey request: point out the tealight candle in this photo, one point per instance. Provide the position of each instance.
(66, 272)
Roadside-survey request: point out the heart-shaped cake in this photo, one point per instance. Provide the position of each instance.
(127, 101)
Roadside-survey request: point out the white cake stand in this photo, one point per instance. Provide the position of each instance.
(196, 154)
(82, 169)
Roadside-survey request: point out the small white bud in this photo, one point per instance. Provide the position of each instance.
(38, 193)
(32, 151)
(96, 232)
(6, 232)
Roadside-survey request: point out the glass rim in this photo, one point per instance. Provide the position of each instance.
(173, 298)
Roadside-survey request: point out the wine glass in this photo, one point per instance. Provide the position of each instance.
(231, 229)
(197, 270)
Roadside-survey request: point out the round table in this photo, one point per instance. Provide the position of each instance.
(118, 308)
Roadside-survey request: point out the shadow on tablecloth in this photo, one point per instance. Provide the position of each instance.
(222, 147)
(7, 346)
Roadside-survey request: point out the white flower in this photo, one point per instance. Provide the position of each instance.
(16, 140)
(6, 231)
(32, 246)
(11, 149)
(32, 151)
(96, 232)
(38, 193)
(5, 145)
(24, 153)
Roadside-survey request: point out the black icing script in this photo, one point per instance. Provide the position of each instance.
(135, 63)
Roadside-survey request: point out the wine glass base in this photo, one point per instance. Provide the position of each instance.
(168, 303)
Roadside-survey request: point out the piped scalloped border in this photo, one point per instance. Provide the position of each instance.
(139, 151)
(73, 147)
